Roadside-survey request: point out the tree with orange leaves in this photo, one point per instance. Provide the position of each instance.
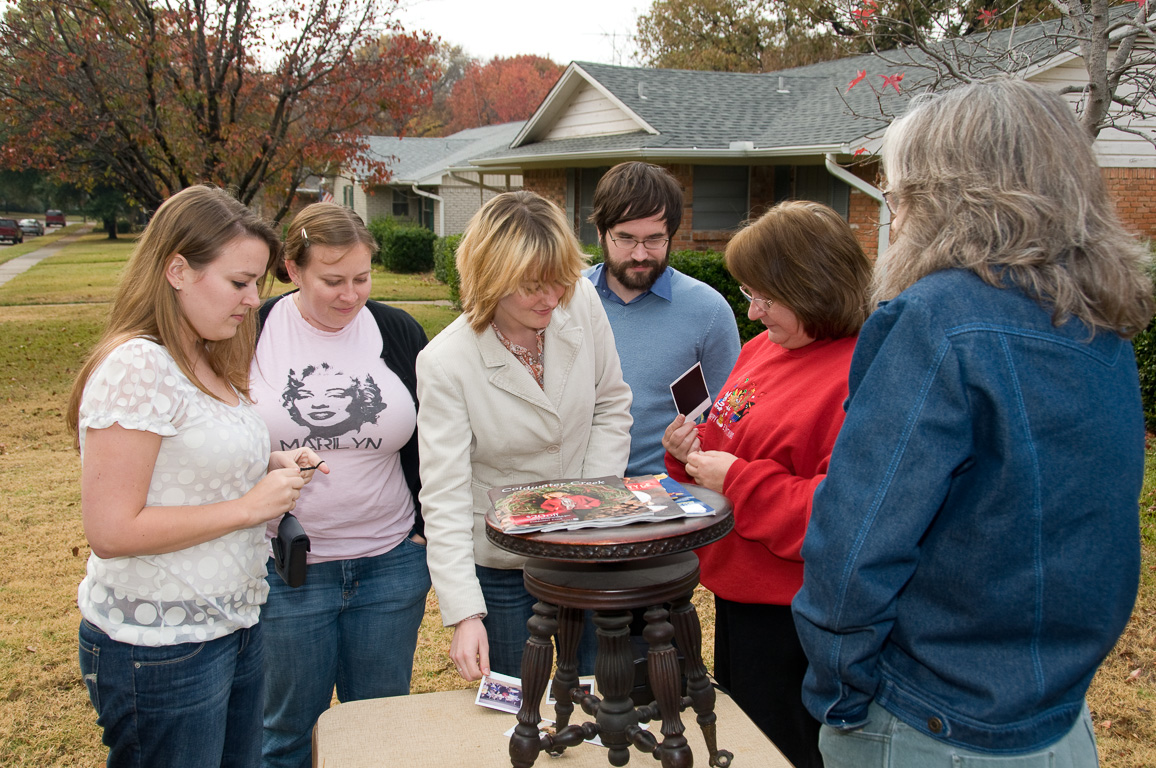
(158, 95)
(501, 91)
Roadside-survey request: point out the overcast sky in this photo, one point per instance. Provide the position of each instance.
(562, 30)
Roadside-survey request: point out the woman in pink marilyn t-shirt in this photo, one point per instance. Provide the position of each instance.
(335, 372)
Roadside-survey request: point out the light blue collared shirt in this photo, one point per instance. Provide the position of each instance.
(661, 287)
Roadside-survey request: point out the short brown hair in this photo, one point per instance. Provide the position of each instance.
(322, 224)
(636, 190)
(804, 256)
(517, 237)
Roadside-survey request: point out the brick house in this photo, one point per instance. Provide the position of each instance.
(431, 184)
(739, 142)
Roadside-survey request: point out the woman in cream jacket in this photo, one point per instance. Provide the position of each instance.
(524, 386)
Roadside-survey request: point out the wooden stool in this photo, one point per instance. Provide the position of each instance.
(612, 571)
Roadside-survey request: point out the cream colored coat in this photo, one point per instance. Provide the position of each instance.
(483, 421)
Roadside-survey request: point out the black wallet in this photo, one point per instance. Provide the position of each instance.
(289, 548)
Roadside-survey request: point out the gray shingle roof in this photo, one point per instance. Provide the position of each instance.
(709, 110)
(806, 107)
(414, 160)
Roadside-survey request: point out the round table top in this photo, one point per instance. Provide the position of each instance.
(635, 541)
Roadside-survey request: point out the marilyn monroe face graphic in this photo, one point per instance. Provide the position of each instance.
(331, 403)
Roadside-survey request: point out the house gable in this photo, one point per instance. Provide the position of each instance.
(1114, 148)
(591, 112)
(585, 107)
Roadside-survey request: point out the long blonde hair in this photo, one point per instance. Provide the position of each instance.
(195, 223)
(998, 178)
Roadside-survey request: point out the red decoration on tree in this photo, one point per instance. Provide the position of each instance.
(988, 15)
(893, 81)
(864, 13)
(858, 78)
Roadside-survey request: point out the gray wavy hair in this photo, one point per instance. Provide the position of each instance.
(998, 178)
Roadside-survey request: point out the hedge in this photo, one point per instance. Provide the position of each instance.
(446, 267)
(404, 248)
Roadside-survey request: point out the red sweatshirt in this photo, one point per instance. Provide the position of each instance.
(779, 413)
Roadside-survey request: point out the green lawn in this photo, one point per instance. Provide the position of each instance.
(87, 271)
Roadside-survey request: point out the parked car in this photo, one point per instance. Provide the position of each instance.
(32, 226)
(54, 219)
(11, 231)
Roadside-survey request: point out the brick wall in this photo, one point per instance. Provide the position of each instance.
(863, 210)
(550, 183)
(1134, 190)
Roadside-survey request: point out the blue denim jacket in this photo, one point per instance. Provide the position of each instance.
(974, 552)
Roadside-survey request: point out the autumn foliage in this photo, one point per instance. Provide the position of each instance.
(501, 91)
(158, 95)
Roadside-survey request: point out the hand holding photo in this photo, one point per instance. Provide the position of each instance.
(691, 397)
(500, 692)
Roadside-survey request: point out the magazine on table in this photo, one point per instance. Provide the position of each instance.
(599, 502)
(691, 505)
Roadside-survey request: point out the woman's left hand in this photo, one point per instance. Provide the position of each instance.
(709, 468)
(304, 458)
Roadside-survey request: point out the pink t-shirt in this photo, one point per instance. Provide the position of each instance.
(332, 392)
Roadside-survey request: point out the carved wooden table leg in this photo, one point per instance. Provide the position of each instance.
(611, 590)
(614, 671)
(688, 632)
(662, 666)
(525, 744)
(566, 678)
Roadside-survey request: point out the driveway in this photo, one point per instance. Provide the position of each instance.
(21, 264)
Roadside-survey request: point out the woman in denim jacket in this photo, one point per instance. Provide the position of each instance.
(974, 552)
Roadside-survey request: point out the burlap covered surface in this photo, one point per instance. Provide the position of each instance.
(448, 729)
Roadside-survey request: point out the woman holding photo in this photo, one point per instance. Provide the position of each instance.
(765, 446)
(177, 484)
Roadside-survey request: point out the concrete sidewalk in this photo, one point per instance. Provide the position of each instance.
(22, 264)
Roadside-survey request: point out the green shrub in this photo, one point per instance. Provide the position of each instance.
(1145, 345)
(382, 229)
(446, 267)
(404, 248)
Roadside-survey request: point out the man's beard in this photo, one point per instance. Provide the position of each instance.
(635, 281)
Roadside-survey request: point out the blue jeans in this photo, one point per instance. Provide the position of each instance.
(887, 742)
(189, 705)
(508, 607)
(353, 624)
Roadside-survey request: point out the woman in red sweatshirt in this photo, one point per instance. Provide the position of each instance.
(765, 446)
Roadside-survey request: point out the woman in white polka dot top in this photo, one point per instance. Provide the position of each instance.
(177, 483)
